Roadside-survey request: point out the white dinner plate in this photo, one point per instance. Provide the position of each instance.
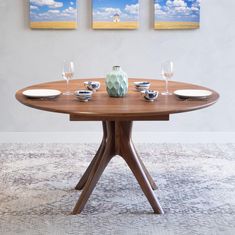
(41, 93)
(193, 93)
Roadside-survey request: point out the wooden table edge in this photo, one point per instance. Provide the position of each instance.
(88, 116)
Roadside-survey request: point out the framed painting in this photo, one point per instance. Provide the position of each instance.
(53, 14)
(115, 14)
(177, 14)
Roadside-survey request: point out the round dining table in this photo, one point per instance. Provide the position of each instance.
(117, 116)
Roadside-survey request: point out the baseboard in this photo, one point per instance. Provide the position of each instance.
(138, 137)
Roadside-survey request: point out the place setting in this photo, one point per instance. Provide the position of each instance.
(167, 72)
(84, 95)
(182, 94)
(43, 94)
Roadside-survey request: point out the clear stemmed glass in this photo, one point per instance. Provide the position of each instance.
(67, 74)
(167, 73)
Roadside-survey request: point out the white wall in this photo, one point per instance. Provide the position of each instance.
(205, 56)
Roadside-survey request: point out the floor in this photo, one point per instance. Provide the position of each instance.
(196, 189)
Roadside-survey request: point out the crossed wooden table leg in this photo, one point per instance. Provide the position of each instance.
(116, 141)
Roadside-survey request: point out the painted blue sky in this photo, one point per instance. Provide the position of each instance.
(103, 10)
(53, 10)
(177, 10)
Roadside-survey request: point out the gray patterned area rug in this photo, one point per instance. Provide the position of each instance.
(196, 189)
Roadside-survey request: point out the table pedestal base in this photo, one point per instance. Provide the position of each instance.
(116, 141)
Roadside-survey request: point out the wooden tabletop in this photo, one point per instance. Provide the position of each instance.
(131, 107)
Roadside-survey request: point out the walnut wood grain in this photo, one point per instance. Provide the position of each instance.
(80, 185)
(117, 116)
(118, 142)
(102, 107)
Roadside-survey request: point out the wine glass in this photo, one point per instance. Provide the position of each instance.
(67, 74)
(167, 73)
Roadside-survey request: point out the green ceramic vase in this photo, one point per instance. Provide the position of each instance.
(117, 82)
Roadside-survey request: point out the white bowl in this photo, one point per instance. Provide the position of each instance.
(92, 85)
(150, 95)
(83, 95)
(141, 86)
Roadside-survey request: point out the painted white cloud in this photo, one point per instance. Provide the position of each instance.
(106, 13)
(178, 8)
(69, 14)
(112, 11)
(49, 3)
(157, 6)
(70, 10)
(158, 10)
(54, 11)
(194, 8)
(33, 7)
(179, 3)
(132, 9)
